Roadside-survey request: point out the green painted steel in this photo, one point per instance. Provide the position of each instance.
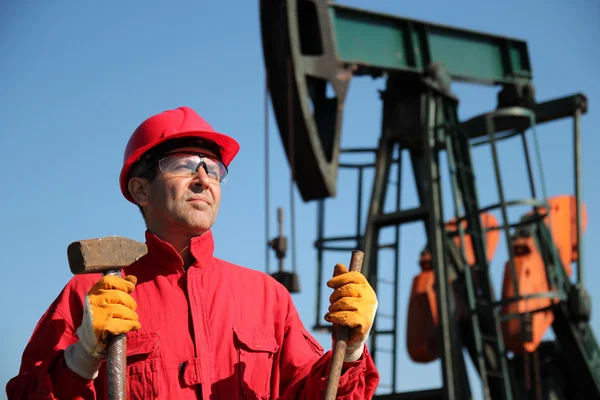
(360, 39)
(402, 45)
(475, 58)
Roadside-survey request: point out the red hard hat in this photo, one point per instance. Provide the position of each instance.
(182, 122)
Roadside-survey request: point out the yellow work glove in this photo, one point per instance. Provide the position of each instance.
(108, 309)
(353, 304)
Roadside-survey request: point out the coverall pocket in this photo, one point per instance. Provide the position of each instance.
(256, 350)
(144, 365)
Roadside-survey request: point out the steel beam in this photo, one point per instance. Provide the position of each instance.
(546, 111)
(375, 43)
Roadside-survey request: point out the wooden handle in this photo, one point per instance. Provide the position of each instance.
(341, 339)
(116, 361)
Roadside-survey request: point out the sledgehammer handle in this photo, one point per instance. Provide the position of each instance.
(116, 361)
(341, 338)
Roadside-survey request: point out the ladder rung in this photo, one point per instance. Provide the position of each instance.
(384, 315)
(489, 339)
(386, 281)
(482, 303)
(386, 332)
(322, 328)
(424, 394)
(495, 374)
(384, 350)
(410, 215)
(464, 168)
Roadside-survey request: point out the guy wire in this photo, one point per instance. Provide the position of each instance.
(292, 164)
(267, 188)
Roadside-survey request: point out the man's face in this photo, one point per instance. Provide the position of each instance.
(182, 203)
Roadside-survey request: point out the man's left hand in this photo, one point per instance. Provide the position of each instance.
(353, 304)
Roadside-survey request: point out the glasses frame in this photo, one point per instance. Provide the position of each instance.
(196, 153)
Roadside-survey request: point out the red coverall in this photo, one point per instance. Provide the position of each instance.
(217, 331)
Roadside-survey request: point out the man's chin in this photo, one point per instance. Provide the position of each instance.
(198, 229)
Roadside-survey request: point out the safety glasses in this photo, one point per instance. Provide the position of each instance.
(186, 164)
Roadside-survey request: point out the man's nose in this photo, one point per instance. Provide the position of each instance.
(201, 177)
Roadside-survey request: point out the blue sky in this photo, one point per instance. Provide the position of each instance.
(77, 78)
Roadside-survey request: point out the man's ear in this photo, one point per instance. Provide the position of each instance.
(139, 188)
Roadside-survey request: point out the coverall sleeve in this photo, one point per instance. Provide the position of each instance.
(304, 367)
(43, 373)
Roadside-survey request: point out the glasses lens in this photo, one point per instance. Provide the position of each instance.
(186, 164)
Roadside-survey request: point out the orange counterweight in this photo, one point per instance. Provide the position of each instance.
(422, 320)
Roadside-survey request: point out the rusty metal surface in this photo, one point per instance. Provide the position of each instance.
(103, 254)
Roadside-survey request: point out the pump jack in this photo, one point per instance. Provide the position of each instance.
(311, 44)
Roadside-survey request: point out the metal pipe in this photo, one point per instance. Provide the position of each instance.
(280, 227)
(320, 229)
(359, 150)
(396, 267)
(365, 165)
(538, 156)
(292, 152)
(528, 162)
(511, 261)
(359, 242)
(446, 338)
(458, 206)
(293, 226)
(578, 191)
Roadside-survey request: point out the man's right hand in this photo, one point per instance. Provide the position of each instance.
(108, 309)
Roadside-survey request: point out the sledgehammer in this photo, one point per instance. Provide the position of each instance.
(341, 339)
(108, 255)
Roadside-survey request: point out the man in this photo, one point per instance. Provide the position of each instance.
(197, 327)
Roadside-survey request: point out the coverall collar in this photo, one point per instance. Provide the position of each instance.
(201, 247)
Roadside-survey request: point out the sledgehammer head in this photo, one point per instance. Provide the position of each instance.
(103, 254)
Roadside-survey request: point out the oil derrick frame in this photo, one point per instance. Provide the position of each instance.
(412, 111)
(493, 127)
(427, 103)
(311, 45)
